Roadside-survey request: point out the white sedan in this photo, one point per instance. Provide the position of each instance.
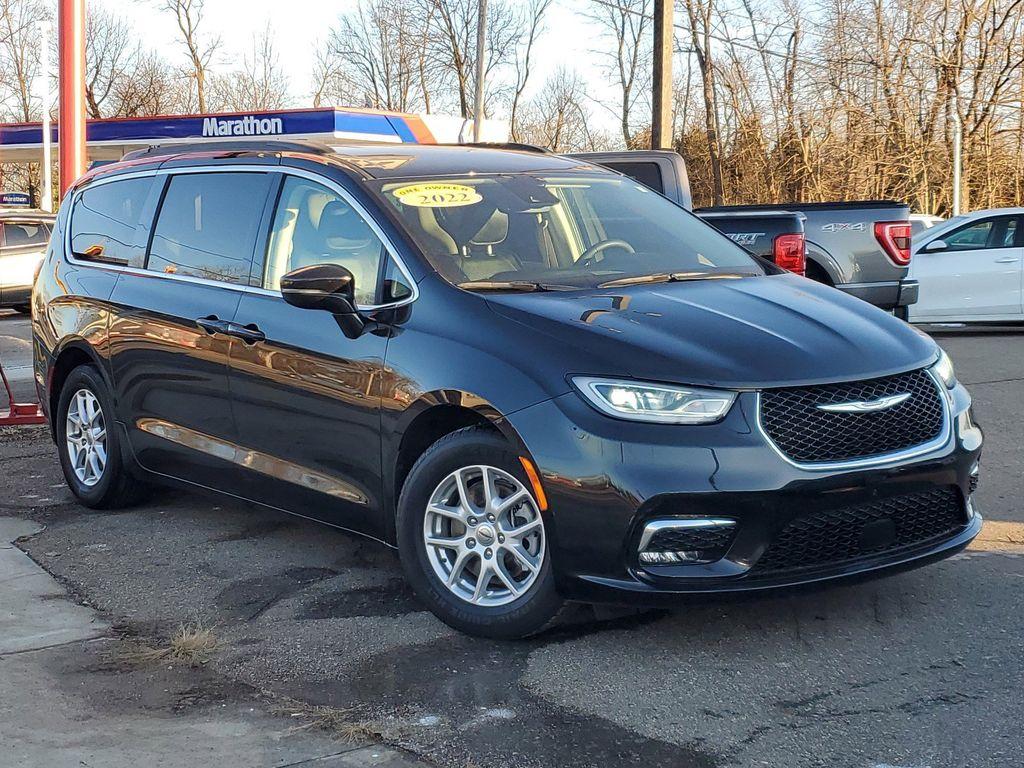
(971, 268)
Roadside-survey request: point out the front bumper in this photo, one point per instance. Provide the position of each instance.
(606, 479)
(886, 295)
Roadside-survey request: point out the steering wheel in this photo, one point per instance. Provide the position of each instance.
(590, 256)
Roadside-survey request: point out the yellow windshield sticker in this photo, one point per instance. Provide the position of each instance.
(437, 195)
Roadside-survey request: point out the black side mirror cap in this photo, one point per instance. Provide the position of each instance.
(327, 287)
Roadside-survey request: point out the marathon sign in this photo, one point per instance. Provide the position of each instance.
(250, 125)
(15, 199)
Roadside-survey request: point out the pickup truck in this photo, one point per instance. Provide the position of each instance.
(862, 248)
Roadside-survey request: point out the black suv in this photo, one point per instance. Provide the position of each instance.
(536, 378)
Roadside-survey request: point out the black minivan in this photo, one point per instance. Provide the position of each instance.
(536, 378)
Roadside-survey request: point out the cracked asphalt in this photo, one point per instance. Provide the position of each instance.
(924, 669)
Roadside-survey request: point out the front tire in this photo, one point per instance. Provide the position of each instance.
(90, 445)
(472, 538)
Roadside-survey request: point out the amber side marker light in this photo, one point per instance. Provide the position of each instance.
(538, 489)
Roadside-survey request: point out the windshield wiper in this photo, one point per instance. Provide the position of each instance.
(526, 286)
(669, 277)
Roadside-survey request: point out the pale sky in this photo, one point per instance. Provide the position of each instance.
(299, 25)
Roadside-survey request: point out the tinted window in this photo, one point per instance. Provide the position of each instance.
(105, 217)
(984, 234)
(314, 225)
(1009, 234)
(24, 233)
(207, 225)
(648, 174)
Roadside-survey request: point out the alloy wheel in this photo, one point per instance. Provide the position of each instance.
(86, 437)
(484, 535)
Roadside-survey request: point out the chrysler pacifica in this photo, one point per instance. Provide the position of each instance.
(537, 379)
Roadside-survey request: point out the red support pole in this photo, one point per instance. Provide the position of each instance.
(71, 79)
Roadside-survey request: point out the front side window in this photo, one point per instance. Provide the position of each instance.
(207, 225)
(558, 232)
(982, 235)
(105, 218)
(315, 225)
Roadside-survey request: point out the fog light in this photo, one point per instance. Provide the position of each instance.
(667, 558)
(685, 540)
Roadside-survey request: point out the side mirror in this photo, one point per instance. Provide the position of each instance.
(935, 245)
(327, 287)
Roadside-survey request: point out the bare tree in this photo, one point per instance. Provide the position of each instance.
(627, 25)
(377, 57)
(189, 15)
(533, 28)
(258, 85)
(452, 44)
(111, 55)
(699, 14)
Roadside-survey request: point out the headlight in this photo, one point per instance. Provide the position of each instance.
(661, 403)
(943, 368)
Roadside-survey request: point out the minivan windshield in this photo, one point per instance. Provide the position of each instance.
(512, 232)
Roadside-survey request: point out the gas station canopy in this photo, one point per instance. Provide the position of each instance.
(108, 139)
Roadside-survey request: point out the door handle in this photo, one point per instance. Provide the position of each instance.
(1007, 260)
(213, 324)
(250, 334)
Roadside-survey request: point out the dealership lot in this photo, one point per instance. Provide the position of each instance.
(922, 669)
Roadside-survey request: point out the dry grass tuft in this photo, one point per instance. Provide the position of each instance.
(344, 724)
(192, 644)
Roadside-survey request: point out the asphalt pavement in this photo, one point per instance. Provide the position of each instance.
(918, 670)
(16, 356)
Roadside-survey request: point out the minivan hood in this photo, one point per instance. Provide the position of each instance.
(738, 333)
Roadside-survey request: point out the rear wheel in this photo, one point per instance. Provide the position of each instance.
(89, 443)
(473, 540)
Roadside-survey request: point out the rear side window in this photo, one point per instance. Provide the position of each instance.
(24, 233)
(207, 225)
(648, 174)
(104, 220)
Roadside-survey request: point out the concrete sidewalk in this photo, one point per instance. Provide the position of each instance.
(64, 704)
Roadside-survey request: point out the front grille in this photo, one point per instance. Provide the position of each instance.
(804, 433)
(846, 534)
(717, 538)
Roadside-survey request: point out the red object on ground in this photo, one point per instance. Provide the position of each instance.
(19, 413)
(71, 83)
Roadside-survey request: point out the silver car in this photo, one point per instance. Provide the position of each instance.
(24, 235)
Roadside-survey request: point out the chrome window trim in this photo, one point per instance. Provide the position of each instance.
(389, 247)
(886, 459)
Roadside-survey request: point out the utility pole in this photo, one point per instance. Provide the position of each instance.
(957, 162)
(661, 101)
(46, 201)
(478, 107)
(71, 121)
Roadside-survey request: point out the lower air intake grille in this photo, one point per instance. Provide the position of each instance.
(689, 539)
(846, 534)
